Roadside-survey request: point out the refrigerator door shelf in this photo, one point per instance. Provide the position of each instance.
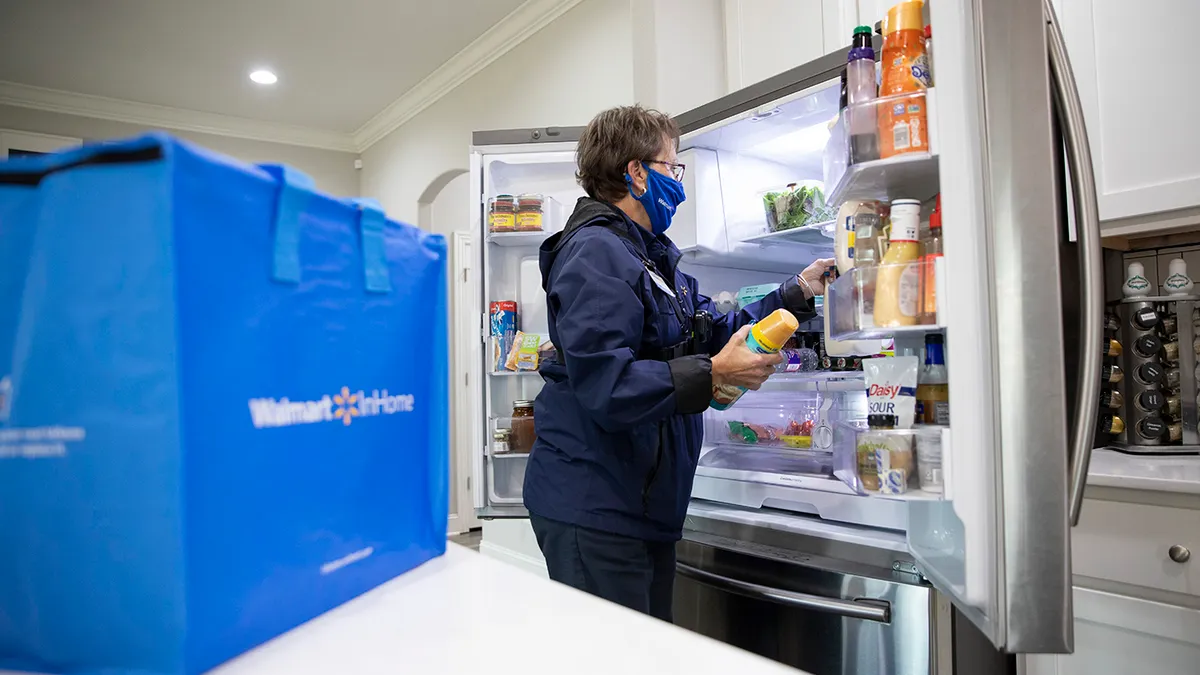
(911, 175)
(852, 310)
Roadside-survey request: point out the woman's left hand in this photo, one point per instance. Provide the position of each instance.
(814, 277)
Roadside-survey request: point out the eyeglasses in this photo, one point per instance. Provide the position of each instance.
(677, 170)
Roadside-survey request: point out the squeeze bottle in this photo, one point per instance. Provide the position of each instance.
(766, 337)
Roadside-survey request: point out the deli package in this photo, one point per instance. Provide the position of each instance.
(213, 428)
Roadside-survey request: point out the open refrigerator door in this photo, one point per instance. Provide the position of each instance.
(981, 494)
(523, 190)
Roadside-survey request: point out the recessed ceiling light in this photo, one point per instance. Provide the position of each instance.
(263, 77)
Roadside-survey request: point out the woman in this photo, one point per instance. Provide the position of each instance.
(618, 422)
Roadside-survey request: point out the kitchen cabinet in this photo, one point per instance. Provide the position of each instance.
(764, 38)
(1120, 634)
(1134, 77)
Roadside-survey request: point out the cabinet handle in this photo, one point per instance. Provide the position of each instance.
(1091, 261)
(1179, 554)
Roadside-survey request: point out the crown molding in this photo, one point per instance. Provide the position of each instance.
(512, 30)
(145, 114)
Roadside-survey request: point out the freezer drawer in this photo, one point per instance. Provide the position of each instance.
(812, 616)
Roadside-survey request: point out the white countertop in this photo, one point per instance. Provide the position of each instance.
(1160, 473)
(465, 613)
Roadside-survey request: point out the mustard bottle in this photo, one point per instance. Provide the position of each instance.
(897, 277)
(766, 337)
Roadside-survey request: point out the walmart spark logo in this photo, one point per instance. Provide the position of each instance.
(347, 406)
(344, 406)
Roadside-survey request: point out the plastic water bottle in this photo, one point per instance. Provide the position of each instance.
(803, 360)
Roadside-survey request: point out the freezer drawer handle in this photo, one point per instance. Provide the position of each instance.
(863, 608)
(1087, 218)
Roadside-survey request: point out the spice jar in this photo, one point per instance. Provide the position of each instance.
(500, 442)
(523, 433)
(529, 213)
(502, 213)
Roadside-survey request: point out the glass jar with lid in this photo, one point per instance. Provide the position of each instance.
(502, 213)
(523, 433)
(500, 444)
(529, 212)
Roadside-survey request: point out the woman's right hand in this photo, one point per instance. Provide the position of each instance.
(737, 365)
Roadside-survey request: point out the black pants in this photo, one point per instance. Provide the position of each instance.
(631, 572)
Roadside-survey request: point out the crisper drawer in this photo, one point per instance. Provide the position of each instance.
(785, 418)
(1138, 544)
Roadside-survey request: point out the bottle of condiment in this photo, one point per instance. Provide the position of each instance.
(1173, 405)
(1152, 428)
(1177, 282)
(933, 384)
(766, 337)
(1148, 346)
(529, 213)
(523, 431)
(1149, 374)
(1111, 398)
(929, 54)
(897, 283)
(502, 214)
(931, 250)
(1112, 348)
(1135, 285)
(903, 126)
(1111, 374)
(1110, 424)
(860, 87)
(500, 442)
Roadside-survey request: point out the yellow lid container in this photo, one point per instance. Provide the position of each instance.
(774, 331)
(904, 16)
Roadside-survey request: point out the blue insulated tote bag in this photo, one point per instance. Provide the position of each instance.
(222, 406)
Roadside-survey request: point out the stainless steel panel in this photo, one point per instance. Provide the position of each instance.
(1023, 226)
(824, 639)
(533, 135)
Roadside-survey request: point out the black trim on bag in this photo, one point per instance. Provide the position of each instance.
(114, 156)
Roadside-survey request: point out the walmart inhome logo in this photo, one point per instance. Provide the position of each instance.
(343, 407)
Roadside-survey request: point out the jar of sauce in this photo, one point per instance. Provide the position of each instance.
(502, 214)
(523, 433)
(529, 213)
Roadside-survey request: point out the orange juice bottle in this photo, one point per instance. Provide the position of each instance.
(902, 119)
(766, 337)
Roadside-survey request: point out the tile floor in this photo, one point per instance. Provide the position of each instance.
(469, 539)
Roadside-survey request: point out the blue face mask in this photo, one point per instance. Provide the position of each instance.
(662, 196)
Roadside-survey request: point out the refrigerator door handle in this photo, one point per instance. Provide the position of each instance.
(1087, 218)
(870, 610)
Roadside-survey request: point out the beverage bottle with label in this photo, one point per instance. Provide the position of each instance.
(903, 124)
(897, 282)
(766, 337)
(861, 90)
(931, 250)
(933, 383)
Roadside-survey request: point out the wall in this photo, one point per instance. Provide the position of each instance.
(333, 171)
(561, 76)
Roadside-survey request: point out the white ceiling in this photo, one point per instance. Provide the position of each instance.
(340, 62)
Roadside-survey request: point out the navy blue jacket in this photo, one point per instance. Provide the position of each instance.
(619, 429)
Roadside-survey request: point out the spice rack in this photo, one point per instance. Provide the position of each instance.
(911, 175)
(850, 301)
(859, 452)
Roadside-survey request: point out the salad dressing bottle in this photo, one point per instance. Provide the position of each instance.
(897, 281)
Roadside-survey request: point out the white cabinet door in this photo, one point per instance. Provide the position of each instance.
(766, 37)
(1118, 635)
(1136, 82)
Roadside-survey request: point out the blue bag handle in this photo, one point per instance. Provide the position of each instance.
(295, 189)
(371, 221)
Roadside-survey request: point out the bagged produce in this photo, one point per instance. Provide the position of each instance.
(223, 412)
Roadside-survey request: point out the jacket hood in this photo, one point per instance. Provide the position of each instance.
(587, 211)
